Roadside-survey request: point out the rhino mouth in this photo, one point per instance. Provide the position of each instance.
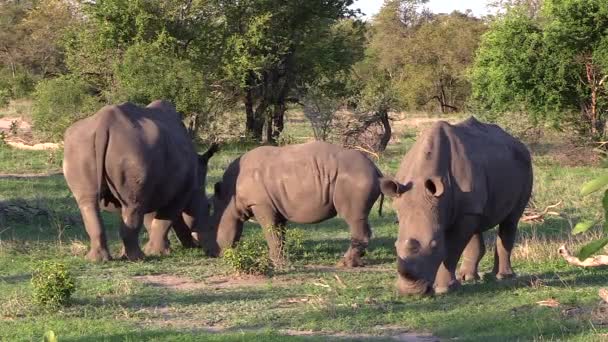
(409, 285)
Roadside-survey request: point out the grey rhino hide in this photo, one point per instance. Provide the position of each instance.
(137, 161)
(454, 183)
(305, 183)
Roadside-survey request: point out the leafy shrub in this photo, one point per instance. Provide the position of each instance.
(58, 103)
(250, 256)
(53, 284)
(593, 246)
(5, 97)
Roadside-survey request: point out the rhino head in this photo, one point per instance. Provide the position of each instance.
(422, 206)
(202, 232)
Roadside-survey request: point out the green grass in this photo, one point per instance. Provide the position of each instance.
(112, 303)
(13, 160)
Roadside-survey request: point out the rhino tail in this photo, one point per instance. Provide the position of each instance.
(381, 202)
(101, 146)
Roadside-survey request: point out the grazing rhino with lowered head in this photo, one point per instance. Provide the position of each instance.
(454, 183)
(305, 183)
(137, 161)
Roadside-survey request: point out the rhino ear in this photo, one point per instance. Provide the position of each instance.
(391, 187)
(434, 186)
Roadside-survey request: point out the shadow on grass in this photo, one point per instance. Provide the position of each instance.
(16, 279)
(194, 334)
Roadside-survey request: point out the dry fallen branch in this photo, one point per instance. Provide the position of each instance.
(598, 260)
(364, 150)
(532, 215)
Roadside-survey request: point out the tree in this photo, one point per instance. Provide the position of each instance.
(141, 50)
(265, 48)
(549, 67)
(426, 55)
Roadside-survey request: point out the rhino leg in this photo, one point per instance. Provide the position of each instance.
(158, 243)
(473, 253)
(148, 225)
(360, 234)
(504, 245)
(94, 227)
(456, 239)
(181, 228)
(129, 232)
(274, 232)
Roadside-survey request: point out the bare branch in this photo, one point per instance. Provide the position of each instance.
(598, 260)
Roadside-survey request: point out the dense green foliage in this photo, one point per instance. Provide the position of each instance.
(59, 102)
(552, 66)
(53, 284)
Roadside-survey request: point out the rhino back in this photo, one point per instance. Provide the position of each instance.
(148, 159)
(299, 181)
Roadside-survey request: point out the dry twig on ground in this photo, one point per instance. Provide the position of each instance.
(531, 214)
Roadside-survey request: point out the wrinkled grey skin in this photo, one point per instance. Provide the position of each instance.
(456, 182)
(137, 161)
(306, 183)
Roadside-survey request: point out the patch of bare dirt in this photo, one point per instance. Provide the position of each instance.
(18, 134)
(171, 282)
(30, 175)
(332, 269)
(180, 283)
(404, 336)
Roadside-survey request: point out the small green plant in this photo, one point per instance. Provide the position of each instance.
(593, 246)
(14, 127)
(294, 243)
(53, 284)
(250, 256)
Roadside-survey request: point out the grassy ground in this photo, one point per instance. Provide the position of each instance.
(186, 296)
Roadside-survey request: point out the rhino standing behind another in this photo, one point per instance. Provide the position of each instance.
(454, 183)
(137, 161)
(305, 183)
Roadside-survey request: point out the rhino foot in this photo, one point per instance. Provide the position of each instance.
(134, 255)
(466, 276)
(152, 250)
(98, 255)
(505, 276)
(442, 289)
(350, 262)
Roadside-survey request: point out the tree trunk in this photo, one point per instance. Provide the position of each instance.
(594, 89)
(386, 136)
(278, 121)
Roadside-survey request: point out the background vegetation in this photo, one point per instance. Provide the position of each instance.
(235, 68)
(244, 72)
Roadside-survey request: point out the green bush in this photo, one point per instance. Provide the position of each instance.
(53, 284)
(58, 103)
(5, 97)
(16, 85)
(250, 256)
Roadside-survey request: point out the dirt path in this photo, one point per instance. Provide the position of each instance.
(22, 140)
